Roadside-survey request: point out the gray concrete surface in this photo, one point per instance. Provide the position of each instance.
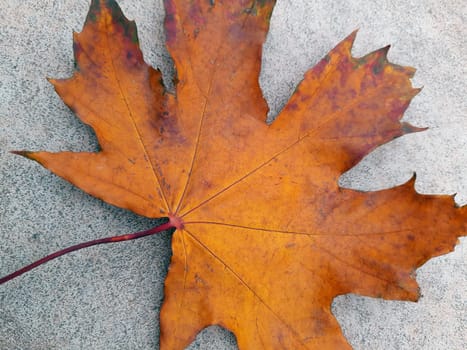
(109, 297)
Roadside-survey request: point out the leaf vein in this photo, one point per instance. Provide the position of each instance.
(138, 133)
(302, 233)
(240, 279)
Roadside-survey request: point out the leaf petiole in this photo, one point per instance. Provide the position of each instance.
(127, 237)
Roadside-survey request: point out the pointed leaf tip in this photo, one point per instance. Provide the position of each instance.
(381, 53)
(98, 9)
(350, 39)
(27, 154)
(346, 45)
(21, 153)
(408, 128)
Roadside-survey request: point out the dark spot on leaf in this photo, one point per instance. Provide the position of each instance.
(207, 184)
(304, 97)
(77, 50)
(377, 68)
(319, 68)
(94, 11)
(170, 22)
(257, 8)
(408, 129)
(292, 106)
(196, 15)
(263, 3)
(199, 280)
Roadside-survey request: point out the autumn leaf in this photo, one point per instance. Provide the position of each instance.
(265, 239)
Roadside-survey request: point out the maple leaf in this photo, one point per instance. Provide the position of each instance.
(265, 239)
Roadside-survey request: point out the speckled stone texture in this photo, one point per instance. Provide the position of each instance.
(108, 297)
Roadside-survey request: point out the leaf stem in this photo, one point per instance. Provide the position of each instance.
(127, 237)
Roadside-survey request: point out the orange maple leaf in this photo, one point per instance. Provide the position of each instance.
(265, 238)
